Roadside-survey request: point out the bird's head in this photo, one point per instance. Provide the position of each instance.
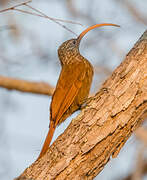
(70, 48)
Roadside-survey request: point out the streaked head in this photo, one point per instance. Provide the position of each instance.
(71, 47)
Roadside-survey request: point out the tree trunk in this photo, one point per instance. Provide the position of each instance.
(102, 127)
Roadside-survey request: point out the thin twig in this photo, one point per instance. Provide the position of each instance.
(50, 19)
(13, 7)
(53, 19)
(45, 16)
(42, 15)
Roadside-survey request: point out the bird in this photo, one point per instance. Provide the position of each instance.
(73, 85)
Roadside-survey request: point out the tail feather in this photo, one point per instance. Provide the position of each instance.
(47, 140)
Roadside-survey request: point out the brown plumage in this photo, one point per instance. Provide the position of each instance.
(73, 85)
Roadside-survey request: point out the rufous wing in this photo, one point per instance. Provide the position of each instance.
(68, 86)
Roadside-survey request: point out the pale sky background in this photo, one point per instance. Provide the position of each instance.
(24, 118)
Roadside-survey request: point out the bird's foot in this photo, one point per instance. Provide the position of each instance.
(85, 104)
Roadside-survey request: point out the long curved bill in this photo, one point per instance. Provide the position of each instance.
(93, 27)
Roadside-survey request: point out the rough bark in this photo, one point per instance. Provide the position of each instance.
(26, 86)
(102, 127)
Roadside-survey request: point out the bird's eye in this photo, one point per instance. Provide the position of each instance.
(74, 42)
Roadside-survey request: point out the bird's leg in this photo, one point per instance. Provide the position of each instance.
(85, 103)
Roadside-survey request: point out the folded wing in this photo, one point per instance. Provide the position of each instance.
(68, 86)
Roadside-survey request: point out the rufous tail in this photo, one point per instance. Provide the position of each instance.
(47, 140)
